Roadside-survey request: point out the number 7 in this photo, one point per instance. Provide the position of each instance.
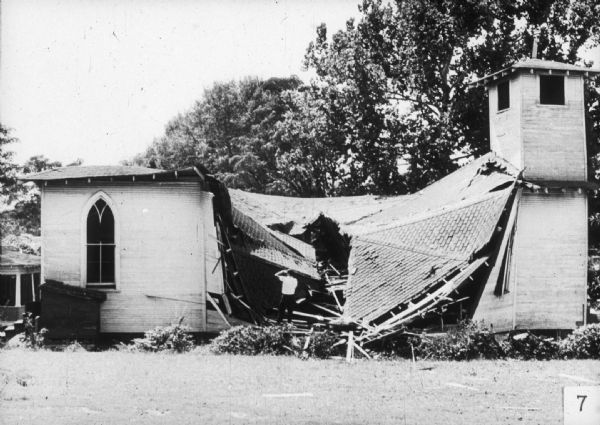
(582, 397)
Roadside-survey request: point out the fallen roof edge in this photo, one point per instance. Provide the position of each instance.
(250, 254)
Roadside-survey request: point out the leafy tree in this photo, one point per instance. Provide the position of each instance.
(7, 167)
(38, 163)
(360, 118)
(23, 214)
(310, 154)
(231, 131)
(390, 109)
(421, 55)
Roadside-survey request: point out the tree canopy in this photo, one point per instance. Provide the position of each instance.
(7, 166)
(389, 109)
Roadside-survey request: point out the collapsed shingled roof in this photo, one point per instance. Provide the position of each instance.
(390, 267)
(262, 244)
(435, 235)
(403, 247)
(360, 214)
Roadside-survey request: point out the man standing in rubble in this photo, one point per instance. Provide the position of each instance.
(288, 290)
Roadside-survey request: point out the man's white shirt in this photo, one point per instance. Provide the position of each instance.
(288, 285)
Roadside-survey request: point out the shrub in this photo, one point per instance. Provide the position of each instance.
(252, 340)
(468, 341)
(321, 345)
(527, 346)
(593, 288)
(583, 343)
(166, 338)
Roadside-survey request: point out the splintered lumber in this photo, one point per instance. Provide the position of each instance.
(307, 342)
(364, 353)
(350, 349)
(216, 264)
(423, 306)
(337, 301)
(334, 269)
(216, 306)
(312, 316)
(226, 303)
(326, 309)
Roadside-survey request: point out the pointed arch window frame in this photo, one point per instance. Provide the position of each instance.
(91, 202)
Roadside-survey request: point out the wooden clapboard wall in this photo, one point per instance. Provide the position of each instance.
(550, 256)
(547, 141)
(553, 135)
(166, 250)
(505, 125)
(548, 268)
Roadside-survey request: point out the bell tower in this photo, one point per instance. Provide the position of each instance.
(537, 119)
(537, 123)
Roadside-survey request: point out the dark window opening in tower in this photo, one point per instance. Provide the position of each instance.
(552, 90)
(503, 96)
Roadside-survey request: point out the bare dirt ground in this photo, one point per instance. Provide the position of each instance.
(116, 387)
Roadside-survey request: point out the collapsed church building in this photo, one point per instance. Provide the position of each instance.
(503, 239)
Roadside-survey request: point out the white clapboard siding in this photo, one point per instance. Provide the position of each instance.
(505, 128)
(550, 255)
(548, 141)
(548, 268)
(553, 135)
(163, 245)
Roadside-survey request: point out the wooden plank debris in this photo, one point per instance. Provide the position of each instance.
(216, 306)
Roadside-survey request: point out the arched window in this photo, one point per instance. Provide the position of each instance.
(100, 245)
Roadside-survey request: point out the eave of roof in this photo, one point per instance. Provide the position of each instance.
(13, 260)
(560, 184)
(109, 172)
(536, 65)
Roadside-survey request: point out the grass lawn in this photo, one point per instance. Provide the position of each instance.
(116, 387)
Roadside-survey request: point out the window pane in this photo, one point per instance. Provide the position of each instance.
(107, 227)
(93, 264)
(36, 279)
(108, 264)
(100, 239)
(552, 90)
(100, 224)
(7, 290)
(503, 95)
(26, 289)
(93, 226)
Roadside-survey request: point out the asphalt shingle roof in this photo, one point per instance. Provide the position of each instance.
(10, 259)
(259, 242)
(389, 267)
(360, 214)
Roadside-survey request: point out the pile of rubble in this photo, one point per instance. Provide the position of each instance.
(370, 266)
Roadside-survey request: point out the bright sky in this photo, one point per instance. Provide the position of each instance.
(99, 80)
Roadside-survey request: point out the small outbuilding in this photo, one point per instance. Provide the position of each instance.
(19, 283)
